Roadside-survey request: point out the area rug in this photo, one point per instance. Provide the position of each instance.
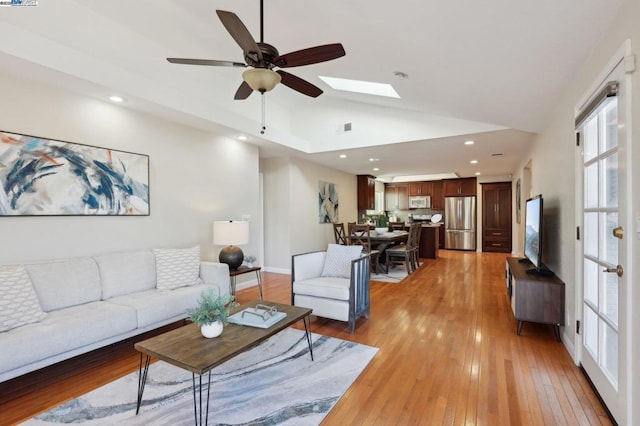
(395, 275)
(273, 383)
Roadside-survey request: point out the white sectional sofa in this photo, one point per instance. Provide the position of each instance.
(91, 302)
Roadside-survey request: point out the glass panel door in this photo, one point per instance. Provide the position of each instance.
(602, 350)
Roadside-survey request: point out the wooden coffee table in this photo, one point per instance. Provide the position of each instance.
(185, 347)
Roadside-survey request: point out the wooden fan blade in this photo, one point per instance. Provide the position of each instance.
(243, 91)
(208, 62)
(299, 85)
(312, 55)
(240, 33)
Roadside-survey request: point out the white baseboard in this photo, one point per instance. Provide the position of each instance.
(254, 282)
(276, 270)
(246, 284)
(569, 346)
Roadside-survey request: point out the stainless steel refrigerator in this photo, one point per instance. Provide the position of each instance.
(460, 223)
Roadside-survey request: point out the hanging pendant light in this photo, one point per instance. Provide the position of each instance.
(261, 79)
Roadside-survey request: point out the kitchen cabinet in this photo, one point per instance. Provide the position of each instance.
(496, 217)
(459, 187)
(534, 298)
(366, 192)
(396, 196)
(429, 242)
(420, 188)
(437, 196)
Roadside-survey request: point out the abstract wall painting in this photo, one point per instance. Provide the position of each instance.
(327, 202)
(45, 177)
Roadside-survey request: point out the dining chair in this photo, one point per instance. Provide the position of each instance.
(407, 253)
(360, 235)
(340, 234)
(396, 226)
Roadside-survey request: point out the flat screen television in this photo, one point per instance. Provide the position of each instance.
(533, 235)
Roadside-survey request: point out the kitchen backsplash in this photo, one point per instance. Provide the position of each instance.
(398, 215)
(403, 215)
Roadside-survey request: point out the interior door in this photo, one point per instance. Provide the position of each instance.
(604, 248)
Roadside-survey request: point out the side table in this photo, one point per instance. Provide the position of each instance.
(233, 273)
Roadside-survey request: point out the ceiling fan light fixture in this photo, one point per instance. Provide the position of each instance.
(261, 79)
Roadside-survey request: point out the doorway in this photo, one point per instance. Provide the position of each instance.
(602, 255)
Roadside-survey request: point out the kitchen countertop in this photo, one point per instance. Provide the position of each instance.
(424, 224)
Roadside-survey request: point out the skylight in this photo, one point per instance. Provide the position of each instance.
(358, 86)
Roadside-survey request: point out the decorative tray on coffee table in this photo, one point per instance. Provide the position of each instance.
(262, 316)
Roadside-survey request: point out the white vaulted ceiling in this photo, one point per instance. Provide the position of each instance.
(487, 71)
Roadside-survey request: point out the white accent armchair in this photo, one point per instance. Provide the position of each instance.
(342, 299)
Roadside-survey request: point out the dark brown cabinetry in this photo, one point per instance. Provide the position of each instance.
(534, 298)
(429, 242)
(420, 188)
(366, 192)
(459, 187)
(437, 196)
(396, 196)
(496, 217)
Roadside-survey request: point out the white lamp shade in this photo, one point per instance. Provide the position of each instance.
(230, 232)
(261, 79)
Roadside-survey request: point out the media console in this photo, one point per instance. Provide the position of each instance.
(534, 298)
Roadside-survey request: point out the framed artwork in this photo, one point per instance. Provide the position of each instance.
(46, 177)
(327, 202)
(518, 200)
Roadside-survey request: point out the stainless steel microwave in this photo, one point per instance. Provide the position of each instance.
(420, 202)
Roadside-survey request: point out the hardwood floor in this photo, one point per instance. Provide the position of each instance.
(448, 354)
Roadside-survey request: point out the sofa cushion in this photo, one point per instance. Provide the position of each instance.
(64, 330)
(124, 273)
(337, 263)
(327, 287)
(18, 301)
(177, 268)
(326, 308)
(64, 283)
(153, 306)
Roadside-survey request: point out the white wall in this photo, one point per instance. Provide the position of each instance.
(195, 177)
(291, 208)
(277, 213)
(553, 167)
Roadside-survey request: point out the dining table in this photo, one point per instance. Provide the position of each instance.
(382, 241)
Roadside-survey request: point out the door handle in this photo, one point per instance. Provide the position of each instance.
(618, 232)
(618, 270)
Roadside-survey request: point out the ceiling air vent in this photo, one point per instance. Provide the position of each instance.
(498, 154)
(347, 127)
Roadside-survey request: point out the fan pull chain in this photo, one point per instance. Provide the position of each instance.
(263, 114)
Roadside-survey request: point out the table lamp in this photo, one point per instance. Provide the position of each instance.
(231, 234)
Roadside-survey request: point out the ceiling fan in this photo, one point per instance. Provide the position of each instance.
(263, 58)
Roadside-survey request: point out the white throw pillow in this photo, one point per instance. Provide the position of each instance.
(337, 262)
(19, 303)
(177, 268)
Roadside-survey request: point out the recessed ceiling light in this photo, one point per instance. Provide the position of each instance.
(358, 86)
(474, 161)
(375, 169)
(477, 173)
(243, 137)
(469, 142)
(374, 159)
(343, 155)
(116, 98)
(401, 75)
